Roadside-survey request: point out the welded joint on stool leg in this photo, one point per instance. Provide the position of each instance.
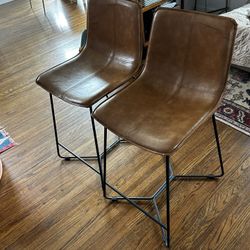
(133, 203)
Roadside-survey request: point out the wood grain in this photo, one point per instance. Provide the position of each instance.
(46, 203)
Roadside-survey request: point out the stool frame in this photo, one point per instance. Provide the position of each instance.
(165, 227)
(83, 159)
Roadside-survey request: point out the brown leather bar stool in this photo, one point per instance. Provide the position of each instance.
(111, 57)
(179, 89)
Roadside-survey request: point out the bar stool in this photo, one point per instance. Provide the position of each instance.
(179, 89)
(110, 59)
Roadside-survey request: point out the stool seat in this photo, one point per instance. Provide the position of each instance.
(85, 79)
(165, 119)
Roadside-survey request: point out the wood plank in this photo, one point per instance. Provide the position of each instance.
(47, 203)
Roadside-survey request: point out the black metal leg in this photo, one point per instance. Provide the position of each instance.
(218, 145)
(182, 4)
(209, 176)
(75, 156)
(105, 163)
(55, 126)
(195, 5)
(167, 242)
(227, 3)
(132, 200)
(44, 11)
(58, 144)
(97, 149)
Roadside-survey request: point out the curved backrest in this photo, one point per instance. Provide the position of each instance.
(114, 30)
(190, 53)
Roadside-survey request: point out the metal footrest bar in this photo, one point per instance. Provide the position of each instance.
(134, 198)
(157, 217)
(152, 198)
(162, 187)
(58, 145)
(209, 177)
(89, 158)
(138, 198)
(132, 202)
(147, 198)
(80, 158)
(165, 228)
(84, 158)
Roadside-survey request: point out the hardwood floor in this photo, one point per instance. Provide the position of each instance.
(47, 203)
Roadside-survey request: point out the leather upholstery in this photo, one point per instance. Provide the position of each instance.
(181, 85)
(112, 54)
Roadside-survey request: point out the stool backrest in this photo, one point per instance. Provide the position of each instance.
(114, 30)
(190, 53)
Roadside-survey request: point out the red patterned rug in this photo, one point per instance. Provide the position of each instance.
(235, 108)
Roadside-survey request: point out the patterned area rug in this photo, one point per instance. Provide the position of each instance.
(235, 108)
(1, 169)
(6, 141)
